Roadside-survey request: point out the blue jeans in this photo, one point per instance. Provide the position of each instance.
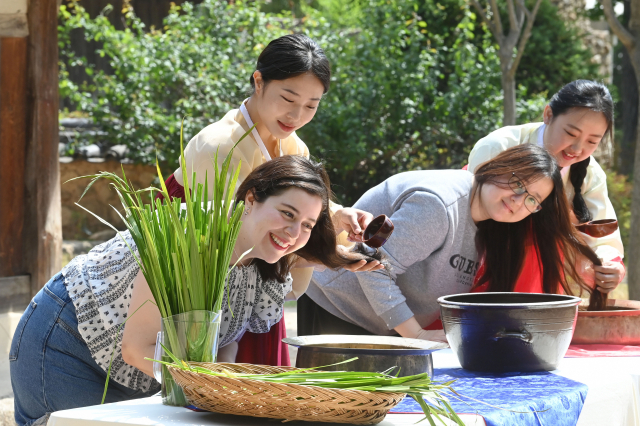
(51, 366)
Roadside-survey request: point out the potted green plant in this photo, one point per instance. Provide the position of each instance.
(184, 254)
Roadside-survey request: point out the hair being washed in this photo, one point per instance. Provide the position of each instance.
(593, 96)
(292, 171)
(502, 246)
(290, 56)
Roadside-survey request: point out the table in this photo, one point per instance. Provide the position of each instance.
(150, 411)
(613, 399)
(614, 386)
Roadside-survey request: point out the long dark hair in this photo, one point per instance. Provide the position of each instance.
(595, 97)
(292, 171)
(503, 245)
(290, 56)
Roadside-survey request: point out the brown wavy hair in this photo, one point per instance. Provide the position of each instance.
(502, 245)
(292, 171)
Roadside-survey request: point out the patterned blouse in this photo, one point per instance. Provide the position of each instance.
(100, 286)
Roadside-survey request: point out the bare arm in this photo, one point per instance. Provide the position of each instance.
(228, 353)
(411, 329)
(139, 339)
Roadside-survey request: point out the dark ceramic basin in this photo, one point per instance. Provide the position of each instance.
(508, 332)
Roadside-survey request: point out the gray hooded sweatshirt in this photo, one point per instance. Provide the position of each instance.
(432, 253)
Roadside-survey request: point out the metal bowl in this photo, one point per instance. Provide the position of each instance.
(507, 332)
(619, 324)
(375, 353)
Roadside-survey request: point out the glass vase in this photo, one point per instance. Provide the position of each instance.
(191, 336)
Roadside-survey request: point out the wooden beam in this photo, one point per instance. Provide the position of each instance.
(13, 141)
(43, 231)
(13, 25)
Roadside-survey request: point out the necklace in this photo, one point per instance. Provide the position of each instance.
(238, 257)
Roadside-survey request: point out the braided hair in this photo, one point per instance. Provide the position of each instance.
(595, 97)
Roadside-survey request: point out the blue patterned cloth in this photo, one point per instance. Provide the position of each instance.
(557, 400)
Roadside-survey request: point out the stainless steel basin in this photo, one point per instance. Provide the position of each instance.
(375, 353)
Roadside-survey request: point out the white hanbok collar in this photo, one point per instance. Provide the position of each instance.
(256, 135)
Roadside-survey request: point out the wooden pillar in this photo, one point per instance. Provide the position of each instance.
(43, 230)
(13, 141)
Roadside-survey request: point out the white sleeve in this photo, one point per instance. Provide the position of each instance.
(498, 141)
(596, 197)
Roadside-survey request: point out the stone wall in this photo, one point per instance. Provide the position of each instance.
(595, 35)
(80, 225)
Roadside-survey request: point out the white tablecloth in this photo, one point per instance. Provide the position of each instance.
(613, 399)
(150, 411)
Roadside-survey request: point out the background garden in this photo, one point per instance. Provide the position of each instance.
(415, 83)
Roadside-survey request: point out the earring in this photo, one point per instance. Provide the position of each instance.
(246, 212)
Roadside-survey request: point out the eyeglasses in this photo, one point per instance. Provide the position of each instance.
(518, 188)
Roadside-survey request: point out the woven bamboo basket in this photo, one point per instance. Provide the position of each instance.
(279, 400)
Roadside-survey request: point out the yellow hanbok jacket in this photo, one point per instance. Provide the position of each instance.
(222, 136)
(594, 188)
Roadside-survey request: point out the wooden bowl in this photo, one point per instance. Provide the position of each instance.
(598, 228)
(619, 325)
(378, 231)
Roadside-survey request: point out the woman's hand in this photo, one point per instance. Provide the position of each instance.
(353, 221)
(608, 276)
(432, 335)
(411, 329)
(605, 278)
(362, 265)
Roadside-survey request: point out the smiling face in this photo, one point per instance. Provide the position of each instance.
(497, 200)
(287, 105)
(278, 226)
(573, 136)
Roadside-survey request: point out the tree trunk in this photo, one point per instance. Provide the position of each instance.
(633, 251)
(509, 98)
(629, 95)
(629, 113)
(633, 255)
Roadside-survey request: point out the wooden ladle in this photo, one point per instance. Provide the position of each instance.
(598, 229)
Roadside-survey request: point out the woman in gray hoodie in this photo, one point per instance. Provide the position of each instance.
(446, 222)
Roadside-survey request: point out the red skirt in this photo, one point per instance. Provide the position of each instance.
(253, 348)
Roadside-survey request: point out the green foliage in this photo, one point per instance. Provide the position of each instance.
(414, 87)
(554, 54)
(198, 65)
(620, 188)
(415, 82)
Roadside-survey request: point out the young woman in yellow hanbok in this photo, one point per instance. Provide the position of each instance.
(291, 76)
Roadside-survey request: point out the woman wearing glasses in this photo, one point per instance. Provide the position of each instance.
(576, 120)
(446, 221)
